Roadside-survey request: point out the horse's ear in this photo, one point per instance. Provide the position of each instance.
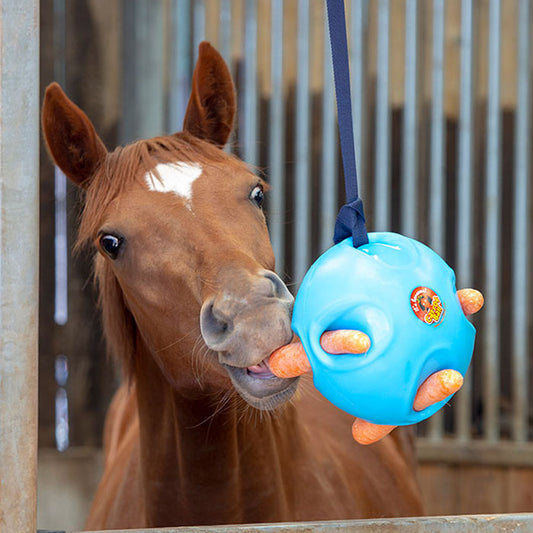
(70, 137)
(211, 109)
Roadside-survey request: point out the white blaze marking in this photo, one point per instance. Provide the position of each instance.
(175, 177)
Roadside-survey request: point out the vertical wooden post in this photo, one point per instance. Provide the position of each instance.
(19, 119)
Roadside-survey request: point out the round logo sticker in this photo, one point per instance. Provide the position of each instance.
(427, 306)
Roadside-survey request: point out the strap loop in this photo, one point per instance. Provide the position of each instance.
(351, 219)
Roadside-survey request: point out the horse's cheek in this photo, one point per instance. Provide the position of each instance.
(171, 369)
(258, 243)
(165, 329)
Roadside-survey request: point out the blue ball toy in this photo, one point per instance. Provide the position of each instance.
(402, 295)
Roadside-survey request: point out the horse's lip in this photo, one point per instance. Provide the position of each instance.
(261, 390)
(260, 371)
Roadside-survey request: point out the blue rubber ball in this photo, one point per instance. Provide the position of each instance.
(403, 296)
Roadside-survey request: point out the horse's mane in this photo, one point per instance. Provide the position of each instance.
(120, 169)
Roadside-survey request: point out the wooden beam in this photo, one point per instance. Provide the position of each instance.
(442, 524)
(475, 452)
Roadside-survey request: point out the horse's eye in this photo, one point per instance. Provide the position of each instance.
(111, 244)
(258, 195)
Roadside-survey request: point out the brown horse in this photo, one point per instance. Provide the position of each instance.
(202, 432)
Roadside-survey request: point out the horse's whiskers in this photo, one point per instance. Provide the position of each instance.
(174, 343)
(199, 353)
(222, 404)
(246, 410)
(209, 284)
(250, 415)
(200, 358)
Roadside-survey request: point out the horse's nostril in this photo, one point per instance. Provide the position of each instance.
(213, 326)
(249, 316)
(280, 290)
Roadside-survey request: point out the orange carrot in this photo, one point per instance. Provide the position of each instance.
(471, 300)
(437, 387)
(291, 361)
(345, 341)
(365, 432)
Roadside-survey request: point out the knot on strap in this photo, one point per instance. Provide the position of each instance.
(351, 222)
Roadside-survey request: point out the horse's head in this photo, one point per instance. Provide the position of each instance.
(184, 260)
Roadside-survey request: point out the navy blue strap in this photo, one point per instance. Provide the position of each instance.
(351, 218)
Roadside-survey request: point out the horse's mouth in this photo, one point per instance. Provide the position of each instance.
(260, 371)
(260, 387)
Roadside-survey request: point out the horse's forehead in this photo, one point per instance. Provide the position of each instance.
(177, 178)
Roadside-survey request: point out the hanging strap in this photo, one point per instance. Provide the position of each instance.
(351, 218)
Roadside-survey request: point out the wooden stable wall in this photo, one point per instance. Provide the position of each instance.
(476, 489)
(87, 67)
(396, 49)
(92, 77)
(68, 481)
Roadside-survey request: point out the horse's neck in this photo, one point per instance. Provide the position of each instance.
(193, 451)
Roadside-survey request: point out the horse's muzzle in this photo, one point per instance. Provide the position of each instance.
(244, 323)
(248, 319)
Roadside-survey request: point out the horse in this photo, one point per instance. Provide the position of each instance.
(201, 432)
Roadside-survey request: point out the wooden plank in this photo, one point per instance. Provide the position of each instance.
(439, 484)
(481, 489)
(502, 453)
(519, 490)
(454, 489)
(66, 485)
(442, 524)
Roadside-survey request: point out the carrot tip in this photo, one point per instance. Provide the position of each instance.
(367, 433)
(437, 387)
(471, 300)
